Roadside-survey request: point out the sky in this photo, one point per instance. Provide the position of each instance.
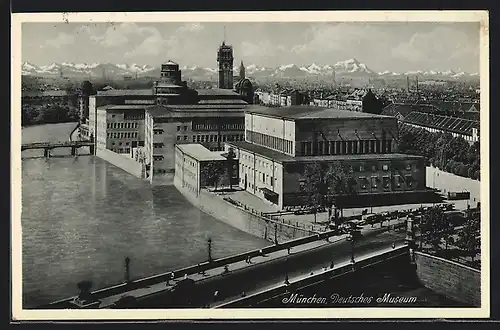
(396, 46)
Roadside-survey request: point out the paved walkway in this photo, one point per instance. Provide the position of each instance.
(108, 301)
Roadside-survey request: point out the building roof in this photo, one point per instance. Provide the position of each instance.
(283, 158)
(223, 101)
(309, 112)
(169, 62)
(216, 91)
(444, 123)
(207, 110)
(199, 152)
(125, 92)
(124, 107)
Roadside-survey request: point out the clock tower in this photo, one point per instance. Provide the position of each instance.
(225, 60)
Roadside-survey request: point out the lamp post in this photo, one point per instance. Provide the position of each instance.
(287, 281)
(127, 269)
(209, 250)
(352, 245)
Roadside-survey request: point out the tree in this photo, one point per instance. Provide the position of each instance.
(340, 181)
(323, 182)
(314, 185)
(434, 227)
(230, 166)
(212, 173)
(469, 239)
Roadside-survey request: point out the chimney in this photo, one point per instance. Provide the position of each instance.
(416, 78)
(408, 84)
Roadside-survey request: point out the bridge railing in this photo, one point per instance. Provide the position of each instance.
(280, 289)
(204, 266)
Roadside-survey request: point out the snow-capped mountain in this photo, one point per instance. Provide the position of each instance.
(352, 66)
(348, 68)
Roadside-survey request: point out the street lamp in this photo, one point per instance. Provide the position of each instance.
(209, 250)
(353, 237)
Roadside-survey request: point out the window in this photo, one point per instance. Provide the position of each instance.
(385, 167)
(127, 143)
(386, 182)
(178, 128)
(185, 137)
(263, 178)
(409, 180)
(178, 138)
(408, 167)
(397, 181)
(363, 182)
(185, 128)
(374, 181)
(272, 182)
(361, 168)
(374, 168)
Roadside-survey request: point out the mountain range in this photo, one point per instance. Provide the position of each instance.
(348, 68)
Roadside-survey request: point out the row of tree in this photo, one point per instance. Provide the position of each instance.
(442, 150)
(437, 229)
(322, 182)
(47, 114)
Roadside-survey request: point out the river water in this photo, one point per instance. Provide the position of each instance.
(81, 217)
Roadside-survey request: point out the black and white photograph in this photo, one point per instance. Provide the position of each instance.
(283, 165)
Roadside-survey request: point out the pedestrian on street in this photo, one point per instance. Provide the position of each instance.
(394, 245)
(288, 250)
(331, 265)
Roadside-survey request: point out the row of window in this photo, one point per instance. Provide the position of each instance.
(130, 116)
(158, 145)
(374, 182)
(260, 176)
(122, 125)
(184, 128)
(122, 135)
(258, 162)
(157, 131)
(345, 147)
(121, 150)
(212, 138)
(218, 124)
(271, 142)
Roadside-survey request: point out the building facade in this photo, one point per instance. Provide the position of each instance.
(281, 142)
(206, 124)
(190, 160)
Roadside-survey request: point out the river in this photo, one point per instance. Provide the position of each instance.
(81, 217)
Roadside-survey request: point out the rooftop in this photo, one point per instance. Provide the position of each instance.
(199, 152)
(216, 91)
(283, 158)
(124, 107)
(309, 112)
(125, 92)
(445, 123)
(198, 110)
(223, 101)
